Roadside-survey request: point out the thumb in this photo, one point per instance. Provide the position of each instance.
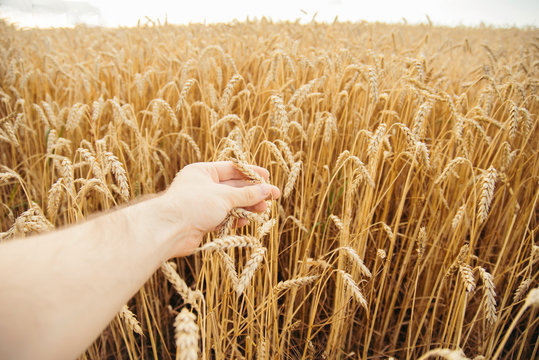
(249, 195)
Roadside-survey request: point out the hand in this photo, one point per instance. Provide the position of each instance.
(202, 195)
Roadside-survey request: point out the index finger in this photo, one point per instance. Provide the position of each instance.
(226, 170)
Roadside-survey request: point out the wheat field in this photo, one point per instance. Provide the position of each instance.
(407, 157)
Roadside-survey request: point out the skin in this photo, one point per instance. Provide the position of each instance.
(59, 290)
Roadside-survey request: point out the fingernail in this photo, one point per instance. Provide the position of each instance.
(265, 189)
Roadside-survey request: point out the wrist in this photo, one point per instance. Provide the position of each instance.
(167, 226)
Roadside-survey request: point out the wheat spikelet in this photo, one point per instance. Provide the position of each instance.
(252, 175)
(160, 103)
(339, 104)
(265, 228)
(76, 113)
(120, 117)
(376, 140)
(31, 221)
(51, 140)
(119, 173)
(489, 296)
(41, 115)
(533, 298)
(230, 241)
(534, 253)
(387, 230)
(5, 137)
(514, 118)
(186, 335)
(528, 123)
(461, 257)
(301, 93)
(450, 168)
(285, 151)
(522, 289)
(418, 66)
(458, 127)
(60, 144)
(261, 351)
(421, 148)
(295, 283)
(421, 241)
(296, 125)
(356, 260)
(183, 94)
(10, 131)
(89, 157)
(467, 276)
(278, 155)
(281, 116)
(292, 178)
(257, 256)
(446, 354)
(130, 320)
(54, 198)
(5, 176)
(319, 122)
(487, 193)
(228, 92)
(461, 212)
(343, 156)
(228, 263)
(508, 156)
(245, 214)
(337, 221)
(89, 185)
(361, 172)
(330, 127)
(188, 295)
(50, 114)
(381, 253)
(353, 288)
(191, 142)
(419, 119)
(139, 82)
(373, 84)
(410, 137)
(231, 118)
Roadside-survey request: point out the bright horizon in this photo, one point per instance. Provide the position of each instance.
(111, 13)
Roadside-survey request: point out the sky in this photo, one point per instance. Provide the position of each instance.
(61, 13)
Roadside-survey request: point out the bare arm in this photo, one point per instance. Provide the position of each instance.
(59, 290)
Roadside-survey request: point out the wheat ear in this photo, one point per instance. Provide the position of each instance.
(186, 335)
(130, 320)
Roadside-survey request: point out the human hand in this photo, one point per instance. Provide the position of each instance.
(202, 195)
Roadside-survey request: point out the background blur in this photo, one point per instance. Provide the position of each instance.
(47, 13)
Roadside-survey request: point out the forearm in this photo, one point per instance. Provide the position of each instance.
(59, 290)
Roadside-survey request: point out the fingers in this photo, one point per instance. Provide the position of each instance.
(240, 223)
(227, 171)
(252, 195)
(258, 208)
(237, 183)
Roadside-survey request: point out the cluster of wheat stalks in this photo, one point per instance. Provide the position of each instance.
(407, 157)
